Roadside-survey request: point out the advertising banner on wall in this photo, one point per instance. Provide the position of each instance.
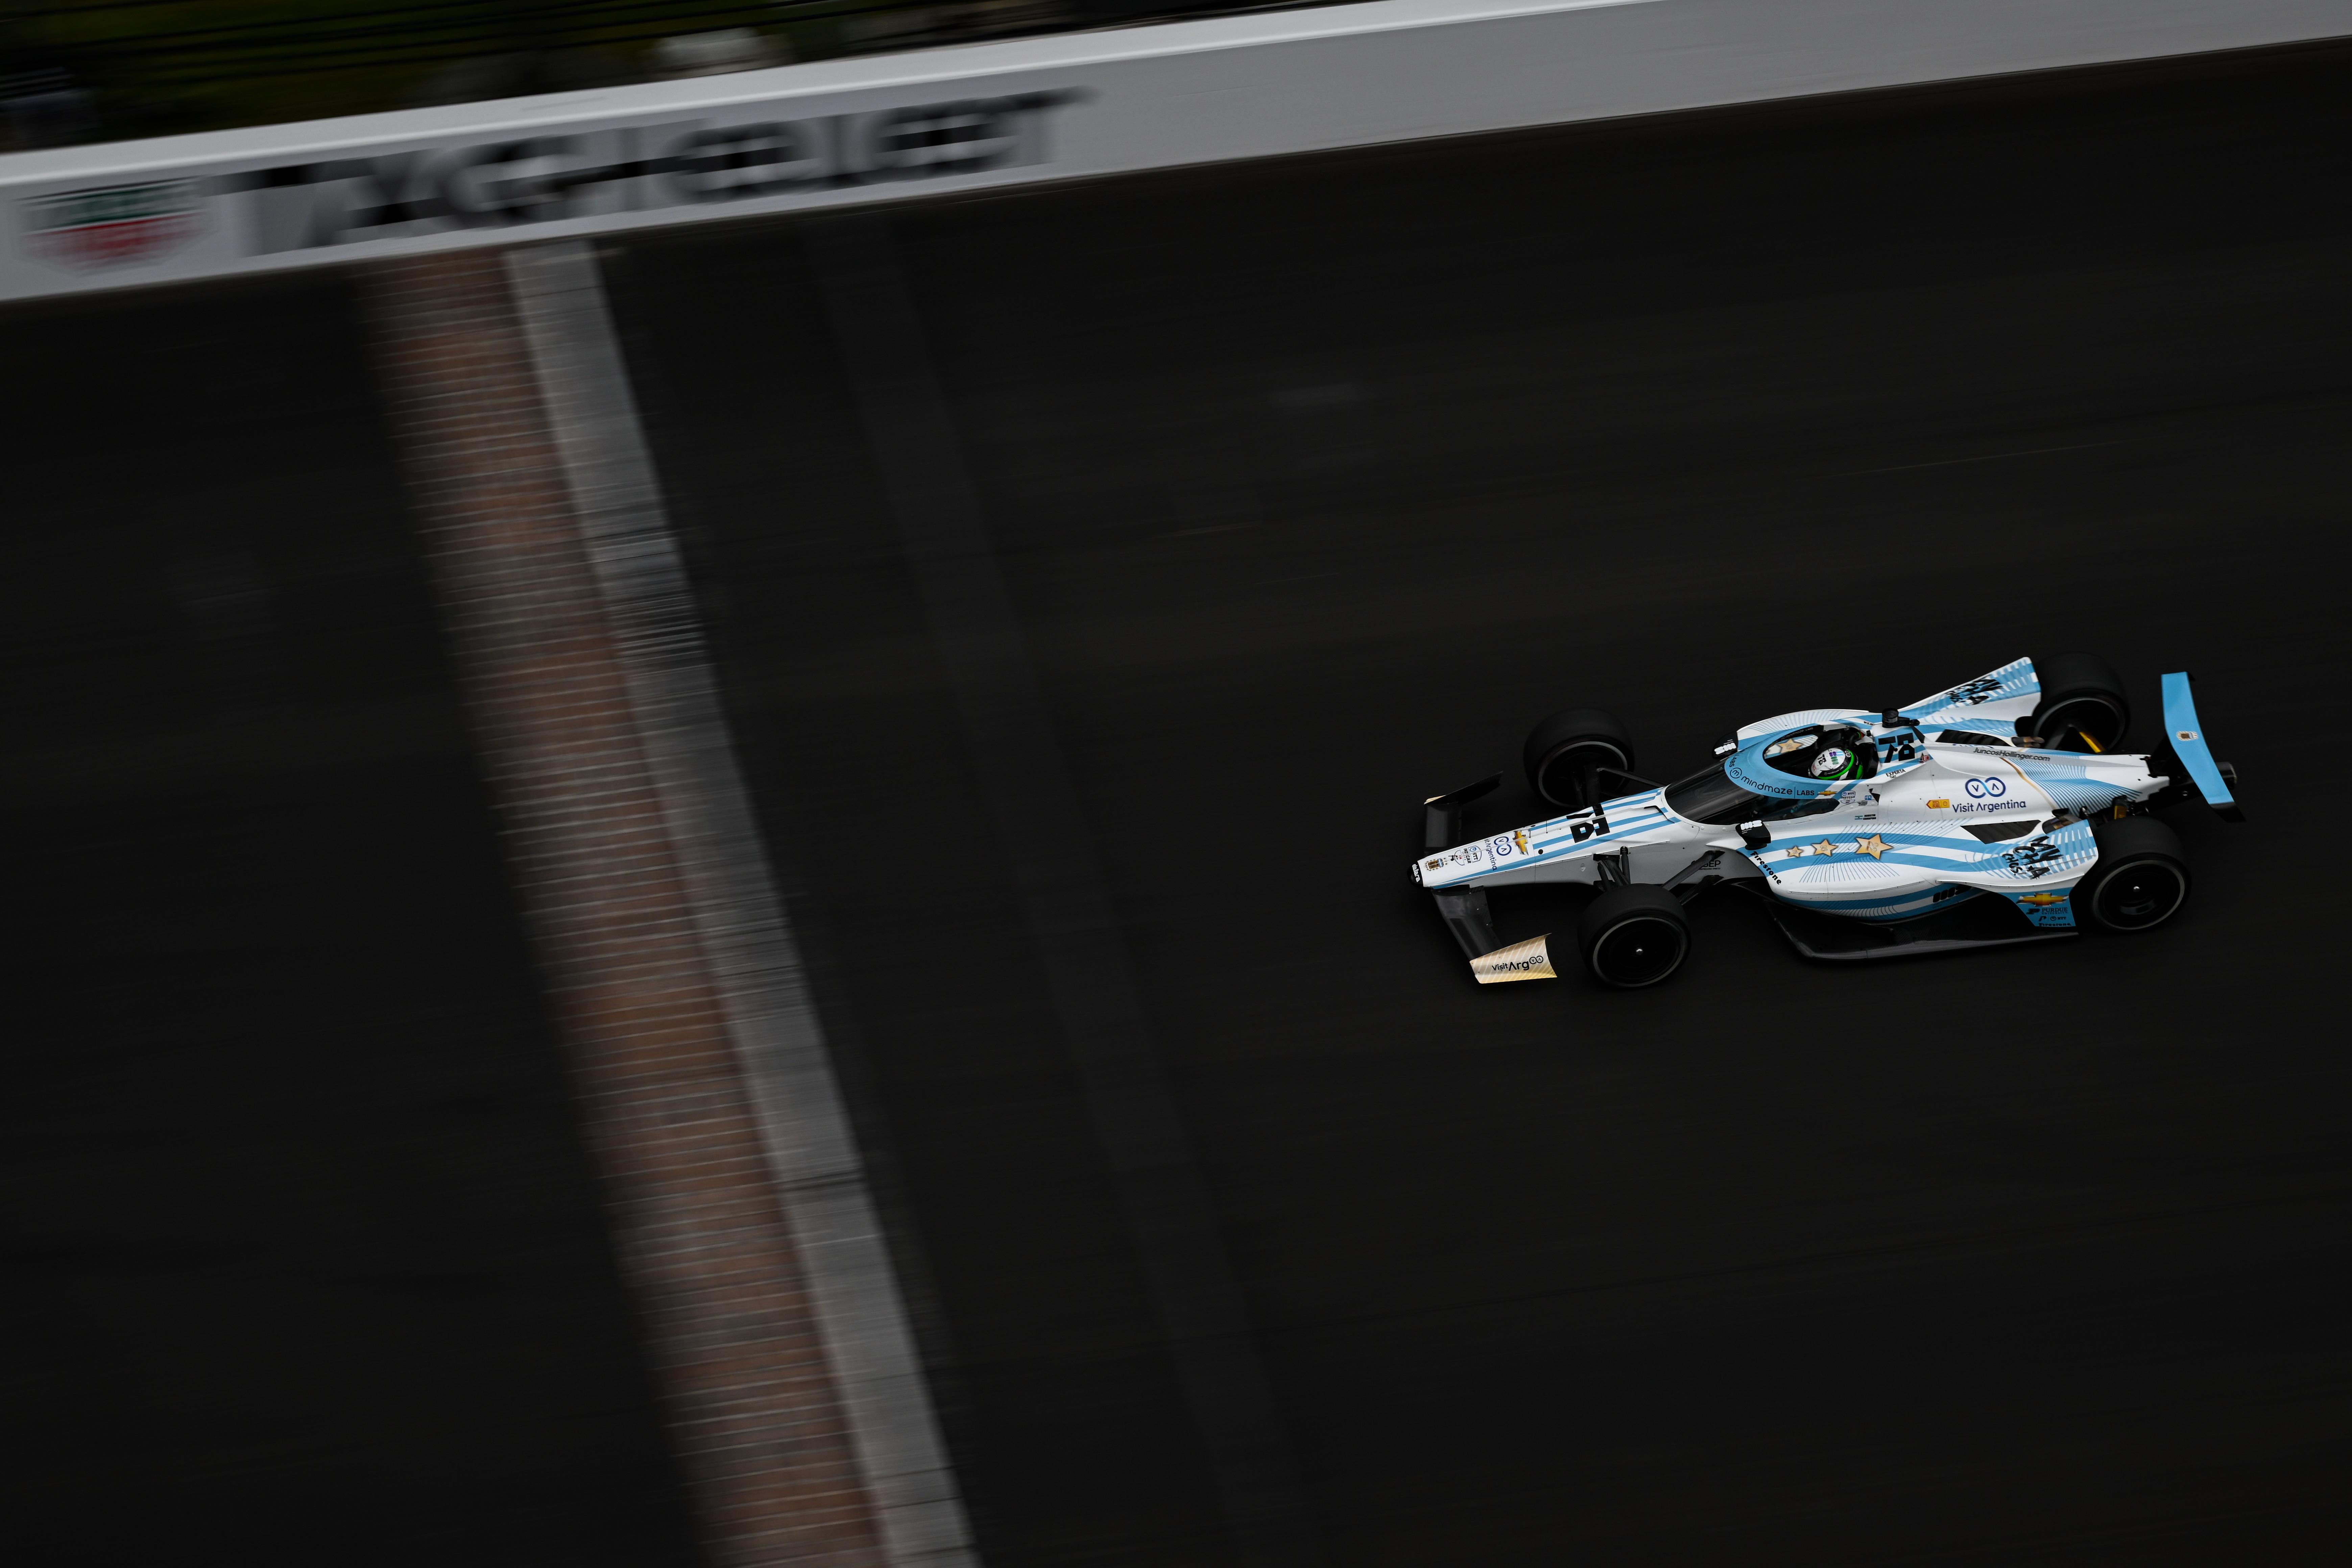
(971, 117)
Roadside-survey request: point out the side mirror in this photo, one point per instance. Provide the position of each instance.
(1755, 835)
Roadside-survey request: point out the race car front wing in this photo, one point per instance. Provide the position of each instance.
(1465, 911)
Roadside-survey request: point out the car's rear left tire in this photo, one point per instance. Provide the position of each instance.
(1633, 937)
(1573, 757)
(2141, 879)
(2083, 706)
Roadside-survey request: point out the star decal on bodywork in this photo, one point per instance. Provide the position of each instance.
(1825, 847)
(1875, 846)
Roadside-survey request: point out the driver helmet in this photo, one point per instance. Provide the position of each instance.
(1834, 763)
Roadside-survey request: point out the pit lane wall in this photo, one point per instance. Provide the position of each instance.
(1067, 107)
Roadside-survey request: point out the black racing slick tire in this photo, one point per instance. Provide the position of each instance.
(1633, 937)
(1566, 756)
(2141, 879)
(2082, 705)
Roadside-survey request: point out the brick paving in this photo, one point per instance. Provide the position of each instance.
(756, 1416)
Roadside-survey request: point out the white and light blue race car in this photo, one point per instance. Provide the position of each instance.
(2002, 811)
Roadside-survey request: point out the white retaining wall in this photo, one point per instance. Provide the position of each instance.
(1070, 106)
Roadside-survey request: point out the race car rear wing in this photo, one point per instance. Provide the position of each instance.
(2185, 745)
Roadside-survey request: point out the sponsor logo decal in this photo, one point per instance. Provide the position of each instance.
(1985, 794)
(1940, 805)
(118, 226)
(1946, 893)
(2185, 734)
(2032, 857)
(1574, 827)
(1972, 692)
(512, 182)
(1501, 846)
(1520, 960)
(2042, 901)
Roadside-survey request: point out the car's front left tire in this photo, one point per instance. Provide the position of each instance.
(1573, 757)
(1633, 937)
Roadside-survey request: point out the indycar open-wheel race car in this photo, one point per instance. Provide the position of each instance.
(2000, 811)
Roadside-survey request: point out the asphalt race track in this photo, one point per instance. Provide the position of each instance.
(1099, 577)
(303, 1260)
(1310, 487)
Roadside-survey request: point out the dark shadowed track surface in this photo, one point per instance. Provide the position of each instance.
(302, 1260)
(1311, 485)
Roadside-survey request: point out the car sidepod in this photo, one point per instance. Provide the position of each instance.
(1867, 871)
(2037, 874)
(1955, 892)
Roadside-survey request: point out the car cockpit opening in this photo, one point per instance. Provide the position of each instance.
(1833, 753)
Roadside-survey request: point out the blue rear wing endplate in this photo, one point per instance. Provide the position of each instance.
(2186, 739)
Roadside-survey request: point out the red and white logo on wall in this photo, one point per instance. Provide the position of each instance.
(120, 226)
